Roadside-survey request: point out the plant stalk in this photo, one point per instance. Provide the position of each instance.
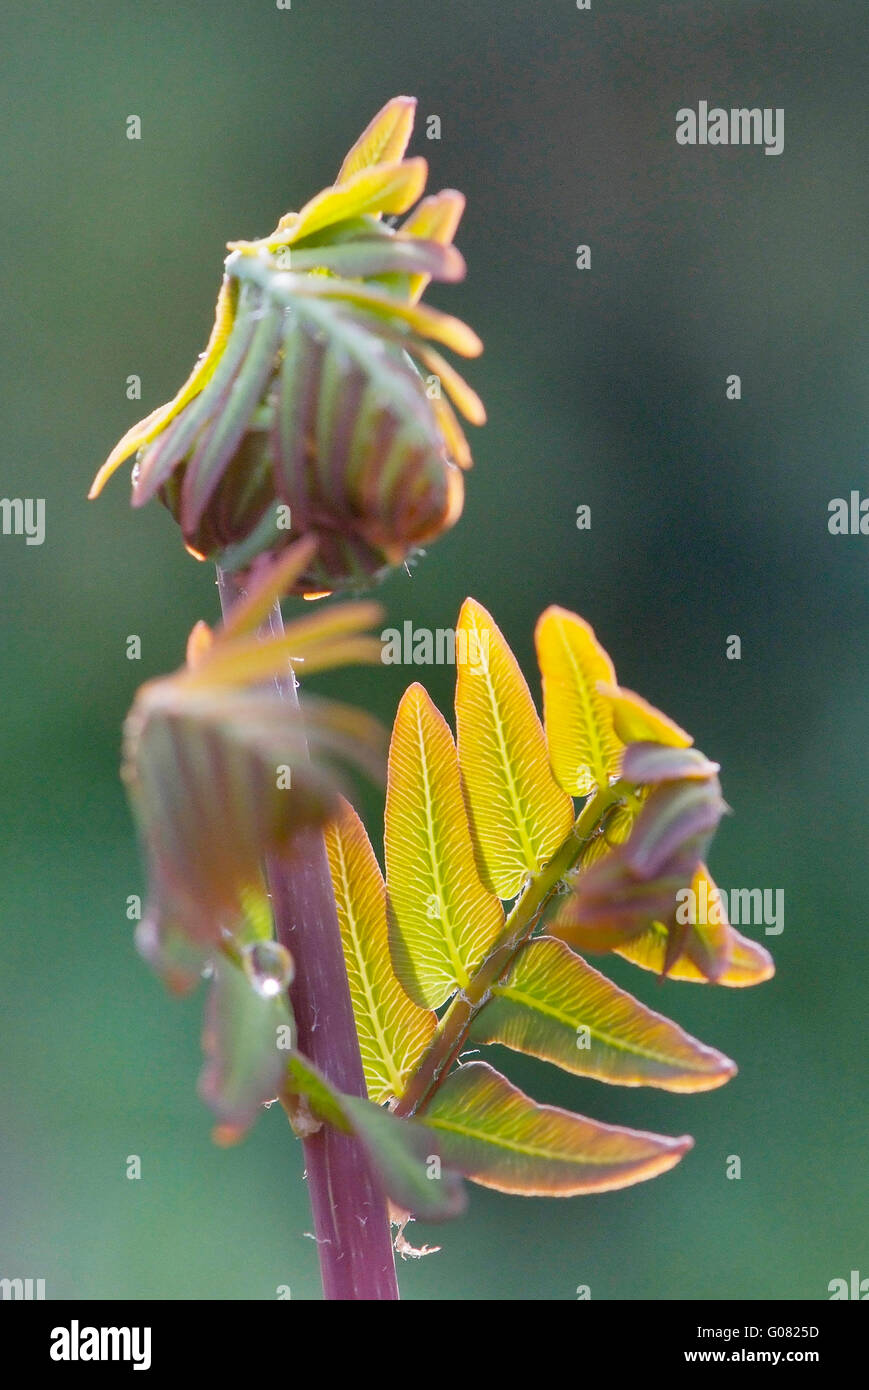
(351, 1219)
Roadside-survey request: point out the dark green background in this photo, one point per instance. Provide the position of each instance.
(605, 387)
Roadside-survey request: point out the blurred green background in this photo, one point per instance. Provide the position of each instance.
(604, 387)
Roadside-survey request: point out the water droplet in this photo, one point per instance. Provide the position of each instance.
(269, 967)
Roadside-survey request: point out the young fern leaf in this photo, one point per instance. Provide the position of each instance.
(148, 429)
(583, 744)
(498, 1137)
(437, 219)
(704, 939)
(393, 1031)
(636, 721)
(707, 949)
(442, 920)
(519, 815)
(494, 820)
(384, 140)
(553, 1005)
(748, 963)
(386, 188)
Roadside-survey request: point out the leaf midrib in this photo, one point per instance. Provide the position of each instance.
(598, 763)
(459, 969)
(526, 1150)
(552, 1011)
(506, 762)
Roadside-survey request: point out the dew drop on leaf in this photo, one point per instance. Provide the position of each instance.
(269, 967)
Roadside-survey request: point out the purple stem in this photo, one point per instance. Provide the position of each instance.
(351, 1220)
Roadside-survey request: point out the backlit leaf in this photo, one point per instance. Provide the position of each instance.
(384, 140)
(458, 448)
(442, 919)
(176, 434)
(436, 218)
(304, 1079)
(153, 424)
(331, 637)
(349, 442)
(701, 930)
(273, 582)
(454, 385)
(583, 745)
(519, 815)
(374, 450)
(499, 1137)
(163, 940)
(308, 412)
(749, 963)
(202, 773)
(219, 439)
(553, 1005)
(393, 1031)
(637, 721)
(381, 188)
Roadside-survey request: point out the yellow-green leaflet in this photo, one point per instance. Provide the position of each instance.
(442, 920)
(553, 1005)
(750, 963)
(519, 815)
(583, 744)
(383, 140)
(499, 1137)
(393, 1031)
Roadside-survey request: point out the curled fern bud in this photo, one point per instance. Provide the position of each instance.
(321, 405)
